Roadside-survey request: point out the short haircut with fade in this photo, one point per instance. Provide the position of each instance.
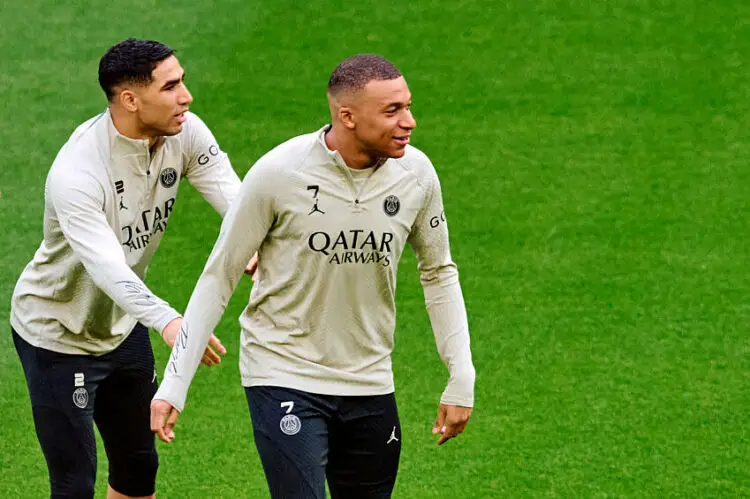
(358, 70)
(130, 61)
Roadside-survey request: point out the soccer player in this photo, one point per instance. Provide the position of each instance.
(330, 213)
(80, 310)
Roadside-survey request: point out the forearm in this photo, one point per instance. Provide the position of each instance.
(100, 252)
(243, 230)
(218, 185)
(445, 306)
(127, 290)
(203, 313)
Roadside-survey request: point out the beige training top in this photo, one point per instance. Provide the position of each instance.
(108, 200)
(321, 317)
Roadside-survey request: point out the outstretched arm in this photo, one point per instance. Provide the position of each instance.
(245, 226)
(79, 207)
(445, 306)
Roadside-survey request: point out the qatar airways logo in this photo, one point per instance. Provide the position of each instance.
(353, 246)
(137, 235)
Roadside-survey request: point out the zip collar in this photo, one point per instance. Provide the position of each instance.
(357, 192)
(135, 152)
(335, 156)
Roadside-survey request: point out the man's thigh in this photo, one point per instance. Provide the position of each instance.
(63, 391)
(365, 447)
(122, 414)
(291, 434)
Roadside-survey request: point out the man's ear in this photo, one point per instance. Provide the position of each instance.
(128, 100)
(342, 110)
(346, 116)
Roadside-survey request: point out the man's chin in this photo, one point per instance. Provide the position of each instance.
(397, 153)
(174, 130)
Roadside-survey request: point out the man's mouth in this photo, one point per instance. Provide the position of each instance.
(402, 140)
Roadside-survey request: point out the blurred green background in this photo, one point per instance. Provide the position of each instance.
(593, 157)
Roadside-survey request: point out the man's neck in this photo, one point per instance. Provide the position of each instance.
(126, 124)
(347, 148)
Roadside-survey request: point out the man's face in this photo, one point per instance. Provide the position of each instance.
(163, 102)
(382, 116)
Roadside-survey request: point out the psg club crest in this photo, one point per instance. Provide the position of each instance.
(81, 398)
(391, 205)
(290, 424)
(168, 177)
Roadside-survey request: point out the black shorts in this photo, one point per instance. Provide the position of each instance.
(304, 439)
(69, 393)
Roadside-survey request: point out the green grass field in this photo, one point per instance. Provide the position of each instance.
(594, 161)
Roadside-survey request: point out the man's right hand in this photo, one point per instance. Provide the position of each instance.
(210, 357)
(252, 266)
(163, 419)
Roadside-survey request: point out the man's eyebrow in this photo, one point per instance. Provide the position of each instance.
(173, 81)
(397, 104)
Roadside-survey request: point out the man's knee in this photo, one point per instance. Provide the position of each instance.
(75, 483)
(69, 448)
(135, 474)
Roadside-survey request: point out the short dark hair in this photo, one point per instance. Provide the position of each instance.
(130, 61)
(358, 70)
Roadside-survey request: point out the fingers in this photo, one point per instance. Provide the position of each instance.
(156, 419)
(206, 359)
(446, 435)
(210, 357)
(454, 423)
(214, 342)
(439, 425)
(252, 266)
(161, 410)
(451, 430)
(171, 421)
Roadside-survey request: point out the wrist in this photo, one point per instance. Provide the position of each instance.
(171, 327)
(162, 324)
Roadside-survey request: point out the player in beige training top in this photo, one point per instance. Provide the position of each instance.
(80, 309)
(330, 213)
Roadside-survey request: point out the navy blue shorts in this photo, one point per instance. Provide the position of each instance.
(69, 393)
(305, 439)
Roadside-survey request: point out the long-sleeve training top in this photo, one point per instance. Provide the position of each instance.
(321, 316)
(108, 199)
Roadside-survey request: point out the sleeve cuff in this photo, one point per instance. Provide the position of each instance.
(460, 389)
(164, 319)
(172, 390)
(447, 399)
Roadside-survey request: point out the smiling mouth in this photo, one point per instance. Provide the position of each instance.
(402, 140)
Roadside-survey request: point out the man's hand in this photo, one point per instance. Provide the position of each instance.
(210, 357)
(252, 266)
(451, 420)
(163, 419)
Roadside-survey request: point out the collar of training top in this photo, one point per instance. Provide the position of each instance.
(125, 145)
(334, 155)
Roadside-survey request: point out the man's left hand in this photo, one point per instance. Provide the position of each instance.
(451, 421)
